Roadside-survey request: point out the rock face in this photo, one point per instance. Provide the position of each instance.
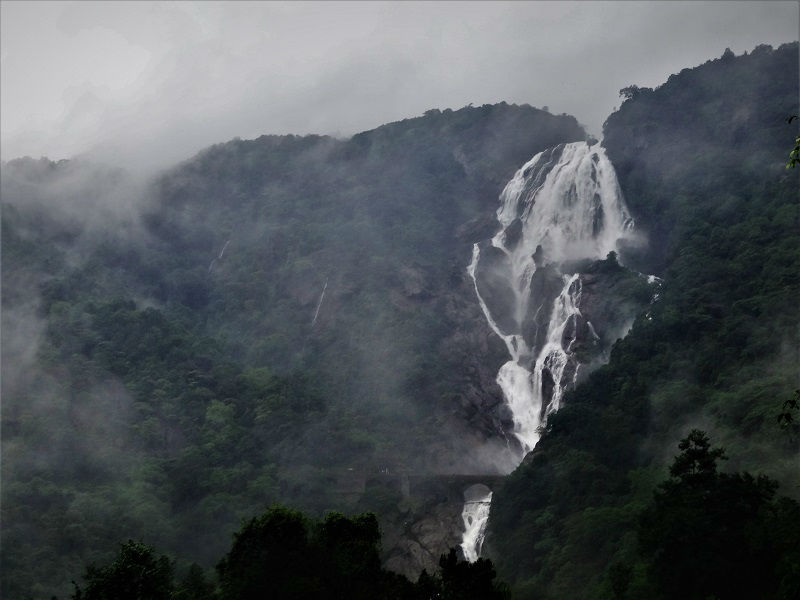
(547, 283)
(479, 413)
(497, 292)
(477, 229)
(418, 535)
(611, 299)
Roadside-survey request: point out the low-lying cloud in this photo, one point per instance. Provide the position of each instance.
(143, 84)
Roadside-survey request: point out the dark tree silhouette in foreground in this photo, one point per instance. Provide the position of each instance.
(710, 534)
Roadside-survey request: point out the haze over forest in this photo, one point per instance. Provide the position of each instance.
(400, 300)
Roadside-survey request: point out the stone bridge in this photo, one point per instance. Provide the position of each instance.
(350, 485)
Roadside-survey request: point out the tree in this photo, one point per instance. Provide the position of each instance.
(137, 573)
(708, 534)
(350, 547)
(697, 462)
(786, 417)
(632, 91)
(794, 155)
(282, 555)
(270, 558)
(462, 580)
(195, 586)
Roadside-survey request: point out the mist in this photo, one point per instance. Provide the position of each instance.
(147, 84)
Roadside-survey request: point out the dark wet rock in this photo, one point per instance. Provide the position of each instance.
(538, 256)
(570, 267)
(477, 229)
(547, 390)
(546, 285)
(598, 220)
(512, 234)
(474, 409)
(491, 274)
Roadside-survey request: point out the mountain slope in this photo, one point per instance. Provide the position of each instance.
(701, 164)
(276, 320)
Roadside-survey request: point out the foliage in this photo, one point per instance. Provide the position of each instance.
(195, 586)
(786, 417)
(137, 573)
(461, 580)
(283, 555)
(709, 534)
(632, 91)
(794, 155)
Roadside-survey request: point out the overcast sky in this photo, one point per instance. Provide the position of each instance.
(152, 83)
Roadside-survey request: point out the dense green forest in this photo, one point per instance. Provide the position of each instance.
(171, 367)
(275, 319)
(701, 161)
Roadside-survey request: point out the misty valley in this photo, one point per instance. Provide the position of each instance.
(471, 354)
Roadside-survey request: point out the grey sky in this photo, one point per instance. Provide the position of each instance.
(149, 83)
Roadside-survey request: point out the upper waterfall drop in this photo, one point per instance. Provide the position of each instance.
(568, 201)
(561, 207)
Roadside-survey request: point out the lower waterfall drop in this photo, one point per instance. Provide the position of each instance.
(564, 206)
(477, 500)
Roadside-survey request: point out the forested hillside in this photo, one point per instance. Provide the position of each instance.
(701, 162)
(275, 320)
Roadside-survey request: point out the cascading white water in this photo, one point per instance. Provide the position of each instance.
(563, 205)
(477, 500)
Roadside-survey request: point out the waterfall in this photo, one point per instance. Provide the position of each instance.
(562, 207)
(477, 500)
(219, 256)
(222, 252)
(319, 304)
